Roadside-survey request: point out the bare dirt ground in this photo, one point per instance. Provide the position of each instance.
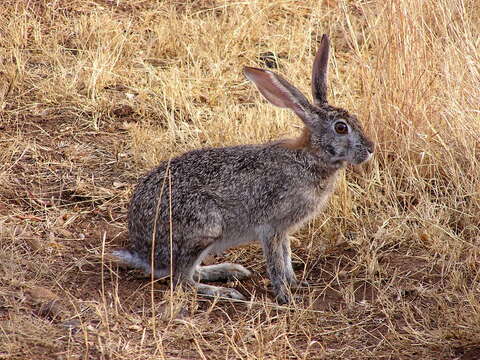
(94, 93)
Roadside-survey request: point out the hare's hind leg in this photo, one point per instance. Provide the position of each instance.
(186, 273)
(214, 291)
(221, 272)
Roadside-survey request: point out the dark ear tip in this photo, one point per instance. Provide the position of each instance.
(325, 38)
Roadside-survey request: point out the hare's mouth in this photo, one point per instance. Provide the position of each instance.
(338, 163)
(361, 159)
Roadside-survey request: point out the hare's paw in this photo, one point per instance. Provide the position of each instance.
(299, 284)
(236, 271)
(284, 294)
(231, 294)
(217, 291)
(221, 272)
(283, 298)
(288, 299)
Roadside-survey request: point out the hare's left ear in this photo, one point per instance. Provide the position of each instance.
(280, 92)
(319, 72)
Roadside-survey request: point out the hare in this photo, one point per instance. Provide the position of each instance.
(208, 200)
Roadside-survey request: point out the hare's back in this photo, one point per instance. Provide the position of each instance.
(246, 179)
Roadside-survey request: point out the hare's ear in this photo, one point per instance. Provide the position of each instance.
(319, 73)
(280, 92)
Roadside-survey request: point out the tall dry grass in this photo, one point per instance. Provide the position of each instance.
(94, 93)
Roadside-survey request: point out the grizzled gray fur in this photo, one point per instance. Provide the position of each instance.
(208, 200)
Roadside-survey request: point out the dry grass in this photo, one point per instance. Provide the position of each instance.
(94, 93)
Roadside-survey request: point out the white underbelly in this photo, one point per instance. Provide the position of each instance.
(233, 240)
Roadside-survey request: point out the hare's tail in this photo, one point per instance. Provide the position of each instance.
(133, 260)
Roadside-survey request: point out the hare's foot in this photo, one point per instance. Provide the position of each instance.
(221, 272)
(300, 284)
(214, 291)
(294, 283)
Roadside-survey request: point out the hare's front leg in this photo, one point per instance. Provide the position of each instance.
(287, 260)
(276, 248)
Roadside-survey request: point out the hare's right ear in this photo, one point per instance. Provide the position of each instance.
(319, 72)
(280, 92)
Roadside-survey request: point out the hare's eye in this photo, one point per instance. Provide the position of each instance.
(341, 128)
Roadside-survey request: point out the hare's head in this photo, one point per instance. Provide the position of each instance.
(333, 135)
